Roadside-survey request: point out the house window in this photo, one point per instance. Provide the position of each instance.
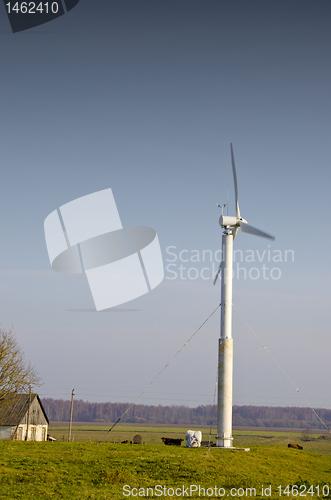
(20, 433)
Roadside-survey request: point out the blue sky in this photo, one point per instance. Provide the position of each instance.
(145, 98)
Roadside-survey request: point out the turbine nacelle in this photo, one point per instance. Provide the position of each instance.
(239, 222)
(226, 220)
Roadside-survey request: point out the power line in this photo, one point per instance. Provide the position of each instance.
(282, 369)
(134, 402)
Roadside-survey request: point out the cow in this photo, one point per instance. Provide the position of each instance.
(296, 446)
(172, 442)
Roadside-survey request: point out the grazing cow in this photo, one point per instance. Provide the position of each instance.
(296, 446)
(172, 442)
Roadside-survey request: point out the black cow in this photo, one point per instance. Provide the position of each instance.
(172, 442)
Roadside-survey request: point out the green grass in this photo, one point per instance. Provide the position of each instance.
(85, 470)
(82, 432)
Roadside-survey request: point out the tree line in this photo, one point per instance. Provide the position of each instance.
(248, 416)
(17, 376)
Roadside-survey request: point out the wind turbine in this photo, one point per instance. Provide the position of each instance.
(230, 225)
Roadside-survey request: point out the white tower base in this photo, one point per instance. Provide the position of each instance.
(224, 415)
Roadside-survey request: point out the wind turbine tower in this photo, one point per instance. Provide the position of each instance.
(230, 224)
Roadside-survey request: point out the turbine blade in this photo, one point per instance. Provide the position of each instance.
(235, 182)
(246, 228)
(218, 272)
(234, 231)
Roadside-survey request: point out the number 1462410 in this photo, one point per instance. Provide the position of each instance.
(32, 7)
(304, 491)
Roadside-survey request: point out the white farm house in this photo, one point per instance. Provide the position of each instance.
(23, 418)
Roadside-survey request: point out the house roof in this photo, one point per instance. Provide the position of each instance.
(14, 407)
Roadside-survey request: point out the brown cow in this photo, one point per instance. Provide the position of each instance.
(296, 446)
(172, 442)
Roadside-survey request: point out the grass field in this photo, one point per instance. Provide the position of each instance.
(85, 470)
(83, 432)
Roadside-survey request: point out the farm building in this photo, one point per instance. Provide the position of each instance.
(23, 418)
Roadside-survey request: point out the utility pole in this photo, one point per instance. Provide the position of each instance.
(28, 415)
(71, 408)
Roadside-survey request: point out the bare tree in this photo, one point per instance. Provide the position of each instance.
(305, 434)
(16, 375)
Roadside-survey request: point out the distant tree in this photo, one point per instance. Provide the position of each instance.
(305, 435)
(16, 375)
